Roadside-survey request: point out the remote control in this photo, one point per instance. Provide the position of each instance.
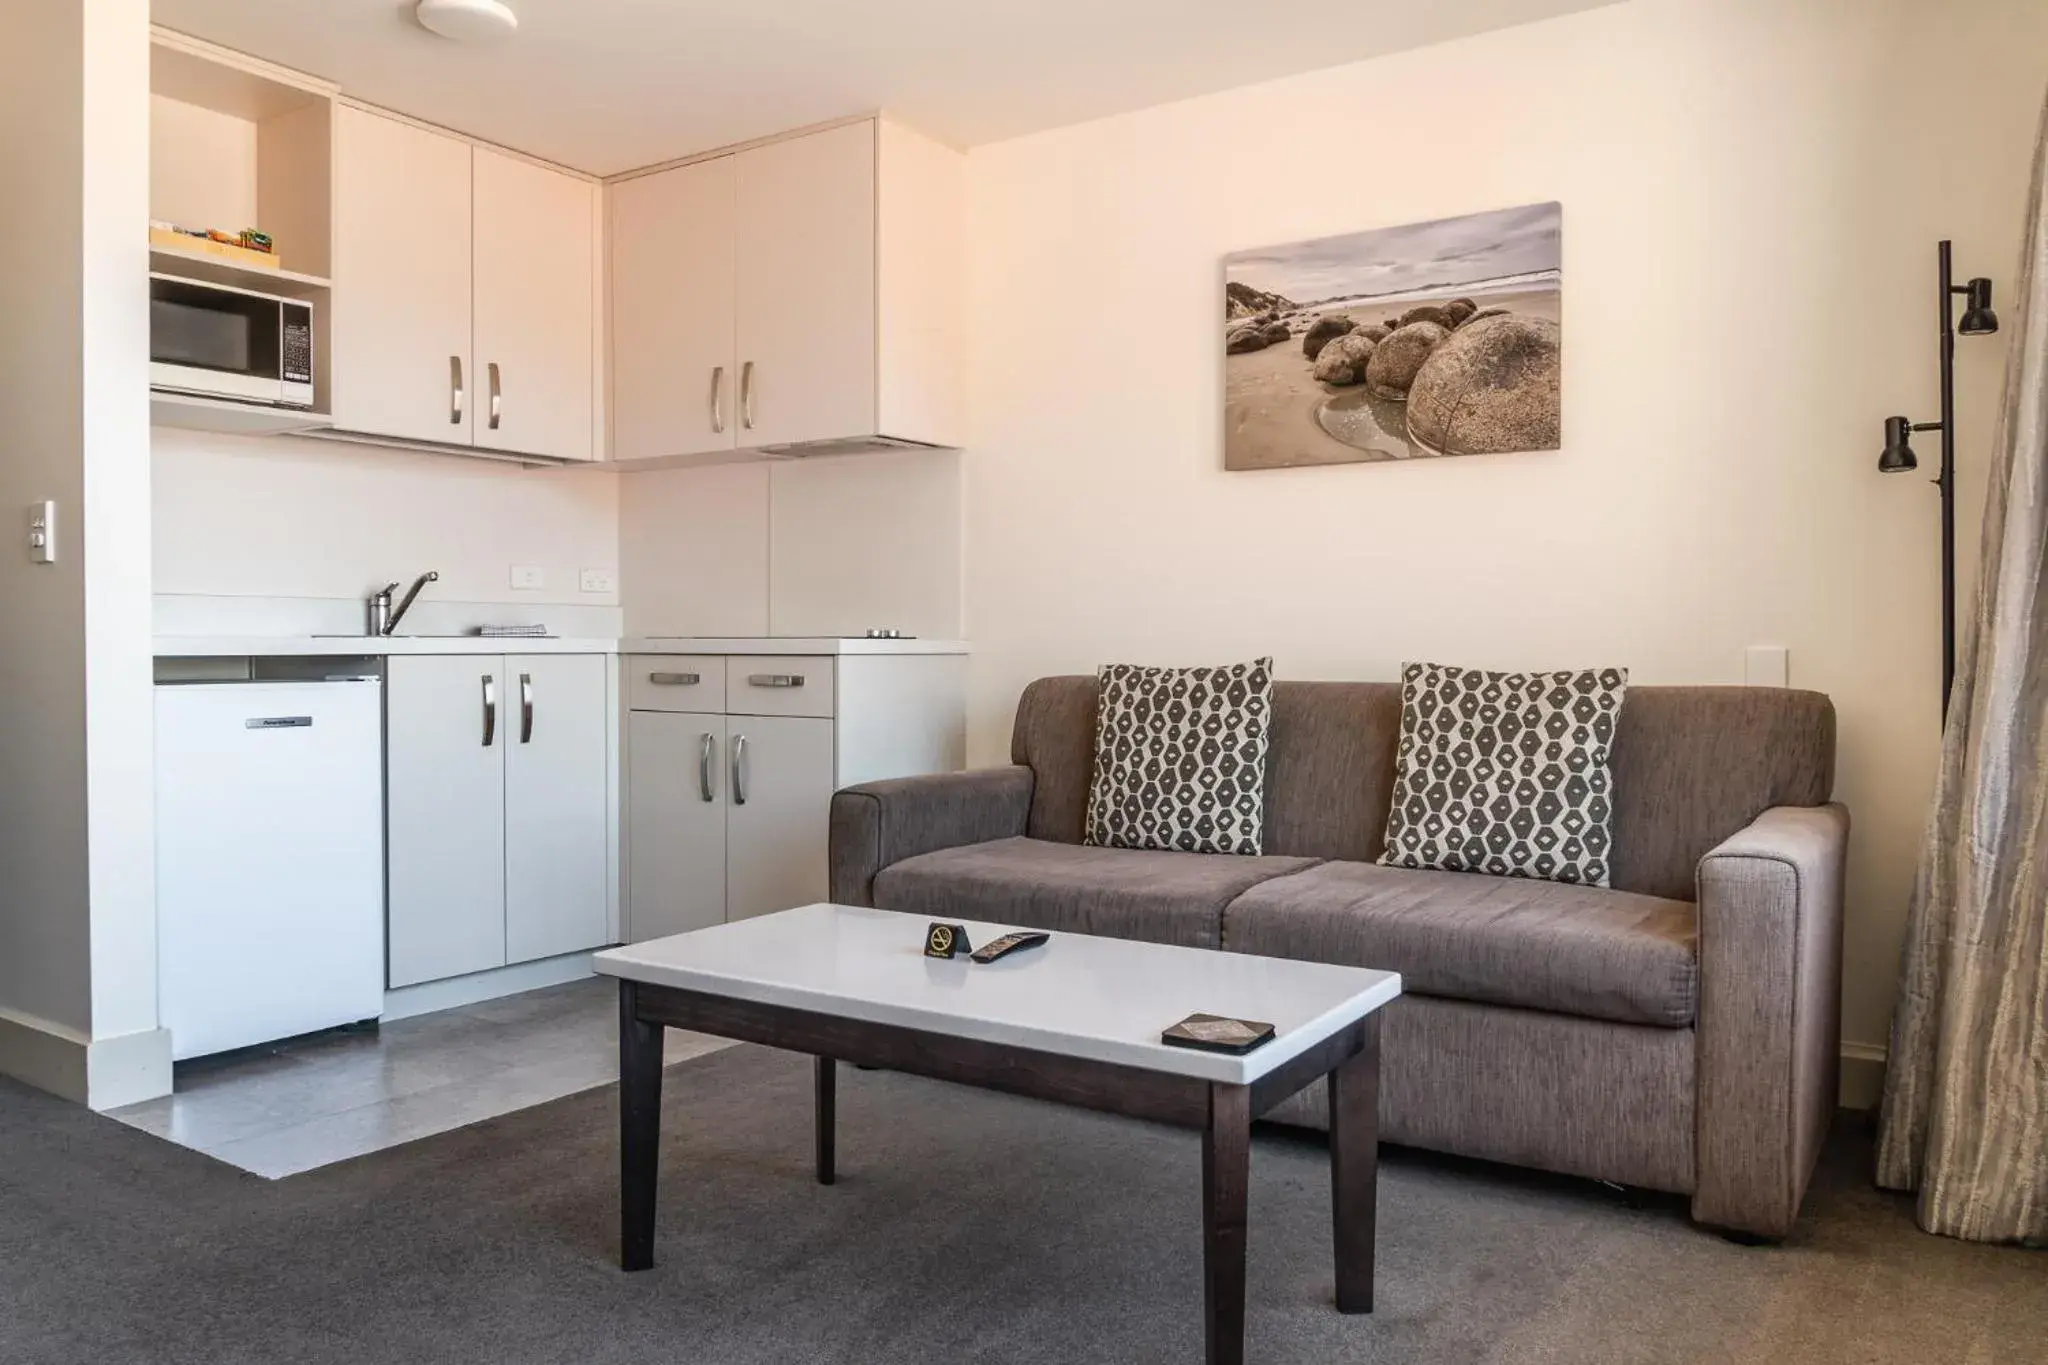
(1008, 943)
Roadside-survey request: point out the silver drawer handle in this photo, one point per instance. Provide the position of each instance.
(775, 679)
(497, 394)
(718, 398)
(739, 770)
(490, 709)
(455, 390)
(706, 748)
(675, 679)
(278, 723)
(526, 708)
(747, 395)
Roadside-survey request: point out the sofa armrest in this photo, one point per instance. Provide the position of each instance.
(1769, 1046)
(879, 823)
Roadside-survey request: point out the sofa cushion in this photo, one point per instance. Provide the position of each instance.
(1505, 773)
(1180, 758)
(1157, 896)
(1576, 950)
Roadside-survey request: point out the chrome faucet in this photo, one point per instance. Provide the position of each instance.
(383, 618)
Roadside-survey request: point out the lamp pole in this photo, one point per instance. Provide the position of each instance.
(1978, 320)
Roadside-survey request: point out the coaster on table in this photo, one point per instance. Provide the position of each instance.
(1215, 1033)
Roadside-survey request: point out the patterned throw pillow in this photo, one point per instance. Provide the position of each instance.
(1180, 758)
(1506, 773)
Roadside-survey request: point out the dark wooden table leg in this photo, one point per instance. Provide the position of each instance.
(1226, 1183)
(639, 1131)
(824, 1076)
(1355, 1168)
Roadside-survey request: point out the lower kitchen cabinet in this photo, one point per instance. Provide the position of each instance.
(774, 857)
(731, 762)
(496, 772)
(675, 791)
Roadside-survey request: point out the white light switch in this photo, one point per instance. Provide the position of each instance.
(42, 533)
(1767, 666)
(529, 576)
(599, 580)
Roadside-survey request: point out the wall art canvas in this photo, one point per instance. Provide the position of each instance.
(1411, 342)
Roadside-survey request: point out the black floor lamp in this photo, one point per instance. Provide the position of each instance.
(1898, 457)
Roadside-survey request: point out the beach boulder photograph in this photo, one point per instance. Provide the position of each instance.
(1411, 342)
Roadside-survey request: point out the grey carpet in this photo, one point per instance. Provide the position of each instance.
(966, 1227)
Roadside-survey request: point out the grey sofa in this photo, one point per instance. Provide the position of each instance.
(1678, 1032)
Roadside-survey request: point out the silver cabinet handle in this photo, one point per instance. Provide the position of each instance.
(526, 708)
(747, 395)
(739, 770)
(455, 390)
(706, 748)
(675, 679)
(775, 680)
(497, 394)
(718, 398)
(490, 709)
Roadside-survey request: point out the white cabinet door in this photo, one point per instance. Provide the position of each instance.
(536, 297)
(806, 287)
(779, 802)
(400, 331)
(556, 775)
(444, 723)
(676, 809)
(674, 376)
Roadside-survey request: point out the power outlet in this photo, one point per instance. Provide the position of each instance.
(529, 576)
(1767, 666)
(599, 580)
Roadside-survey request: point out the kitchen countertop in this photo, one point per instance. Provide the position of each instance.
(273, 646)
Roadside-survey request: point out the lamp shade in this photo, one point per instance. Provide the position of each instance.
(1978, 319)
(1898, 454)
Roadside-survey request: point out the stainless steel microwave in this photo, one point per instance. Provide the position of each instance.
(221, 342)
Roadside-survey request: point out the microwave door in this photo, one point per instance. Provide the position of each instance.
(211, 340)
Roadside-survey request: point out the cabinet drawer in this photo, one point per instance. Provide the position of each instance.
(778, 685)
(675, 682)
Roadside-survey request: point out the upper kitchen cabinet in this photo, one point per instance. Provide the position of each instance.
(464, 296)
(402, 233)
(799, 296)
(536, 307)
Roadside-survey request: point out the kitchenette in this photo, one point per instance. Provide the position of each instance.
(682, 442)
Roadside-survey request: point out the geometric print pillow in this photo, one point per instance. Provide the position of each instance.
(1506, 773)
(1180, 758)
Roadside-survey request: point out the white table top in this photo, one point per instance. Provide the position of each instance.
(1106, 999)
(235, 646)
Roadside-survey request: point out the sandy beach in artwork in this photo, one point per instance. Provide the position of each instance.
(1408, 342)
(1272, 402)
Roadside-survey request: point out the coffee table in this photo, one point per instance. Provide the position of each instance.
(1077, 1021)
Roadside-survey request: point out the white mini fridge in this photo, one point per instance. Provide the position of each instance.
(270, 860)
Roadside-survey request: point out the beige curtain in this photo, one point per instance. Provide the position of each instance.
(1966, 1099)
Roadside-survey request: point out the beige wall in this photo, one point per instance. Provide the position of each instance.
(801, 547)
(77, 900)
(286, 517)
(1752, 190)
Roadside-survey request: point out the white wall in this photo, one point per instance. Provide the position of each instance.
(812, 547)
(1752, 191)
(280, 517)
(77, 912)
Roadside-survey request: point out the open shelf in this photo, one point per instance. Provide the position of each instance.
(199, 265)
(224, 414)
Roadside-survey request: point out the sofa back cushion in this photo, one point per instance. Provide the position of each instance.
(1692, 765)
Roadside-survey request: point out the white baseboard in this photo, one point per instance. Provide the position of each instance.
(1862, 1075)
(104, 1074)
(129, 1069)
(458, 991)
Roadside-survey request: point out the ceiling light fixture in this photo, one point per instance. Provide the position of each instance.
(468, 21)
